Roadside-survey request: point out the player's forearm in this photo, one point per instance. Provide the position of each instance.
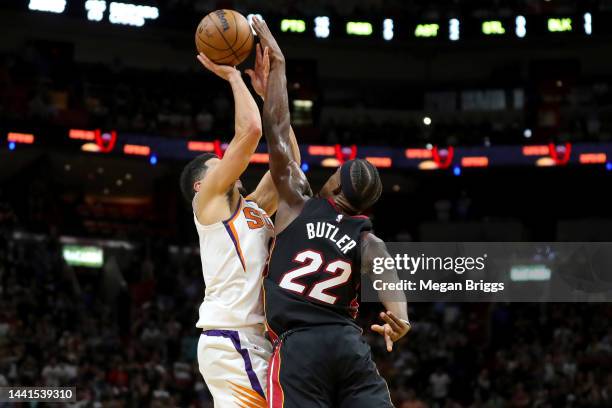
(399, 309)
(398, 304)
(295, 147)
(276, 119)
(247, 118)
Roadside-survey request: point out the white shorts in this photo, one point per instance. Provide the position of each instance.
(234, 365)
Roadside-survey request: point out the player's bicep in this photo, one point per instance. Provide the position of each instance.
(372, 249)
(373, 253)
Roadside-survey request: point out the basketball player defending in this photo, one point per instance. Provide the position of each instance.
(235, 234)
(320, 358)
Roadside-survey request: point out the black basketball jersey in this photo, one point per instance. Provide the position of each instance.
(314, 271)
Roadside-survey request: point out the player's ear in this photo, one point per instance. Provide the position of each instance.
(197, 185)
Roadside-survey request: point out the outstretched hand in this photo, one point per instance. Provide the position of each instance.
(223, 71)
(393, 329)
(267, 39)
(259, 76)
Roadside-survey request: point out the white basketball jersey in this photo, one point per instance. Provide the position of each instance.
(234, 254)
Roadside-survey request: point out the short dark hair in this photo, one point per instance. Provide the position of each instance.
(192, 172)
(366, 183)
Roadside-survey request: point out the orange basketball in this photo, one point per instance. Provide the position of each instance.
(225, 37)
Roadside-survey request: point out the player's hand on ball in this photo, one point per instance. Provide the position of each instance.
(267, 39)
(223, 71)
(393, 329)
(259, 76)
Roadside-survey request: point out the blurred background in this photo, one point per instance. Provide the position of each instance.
(489, 120)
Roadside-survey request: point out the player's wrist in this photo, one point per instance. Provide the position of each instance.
(277, 59)
(235, 76)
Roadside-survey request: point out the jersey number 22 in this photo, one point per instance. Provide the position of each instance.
(312, 261)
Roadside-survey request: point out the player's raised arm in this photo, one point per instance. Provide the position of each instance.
(266, 195)
(247, 131)
(288, 177)
(396, 324)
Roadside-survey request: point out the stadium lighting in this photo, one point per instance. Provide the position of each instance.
(388, 29)
(592, 158)
(316, 150)
(359, 28)
(427, 121)
(475, 161)
(305, 167)
(88, 256)
(153, 160)
(527, 133)
(426, 30)
(521, 26)
(588, 23)
(609, 166)
(293, 26)
(201, 146)
(522, 273)
(12, 145)
(454, 29)
(303, 103)
(380, 162)
(494, 27)
(80, 134)
(559, 25)
(136, 150)
(321, 28)
(51, 6)
(457, 171)
(25, 138)
(131, 14)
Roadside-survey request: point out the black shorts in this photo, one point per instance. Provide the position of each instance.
(325, 367)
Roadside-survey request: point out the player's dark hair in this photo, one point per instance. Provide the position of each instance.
(365, 184)
(192, 172)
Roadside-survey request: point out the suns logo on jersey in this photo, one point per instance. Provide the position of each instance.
(256, 219)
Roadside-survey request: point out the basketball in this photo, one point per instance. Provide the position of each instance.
(225, 37)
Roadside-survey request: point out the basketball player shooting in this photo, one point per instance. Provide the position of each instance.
(235, 234)
(320, 358)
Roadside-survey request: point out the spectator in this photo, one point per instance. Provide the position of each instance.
(439, 382)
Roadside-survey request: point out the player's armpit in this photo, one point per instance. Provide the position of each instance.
(265, 195)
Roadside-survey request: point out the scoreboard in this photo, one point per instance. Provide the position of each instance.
(139, 13)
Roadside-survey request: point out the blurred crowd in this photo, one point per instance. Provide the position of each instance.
(124, 335)
(46, 88)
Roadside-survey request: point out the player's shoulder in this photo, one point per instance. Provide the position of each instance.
(210, 212)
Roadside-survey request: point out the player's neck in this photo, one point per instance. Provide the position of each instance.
(342, 206)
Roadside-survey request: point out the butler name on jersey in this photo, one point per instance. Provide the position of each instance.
(314, 270)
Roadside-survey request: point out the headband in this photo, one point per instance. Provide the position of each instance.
(346, 184)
